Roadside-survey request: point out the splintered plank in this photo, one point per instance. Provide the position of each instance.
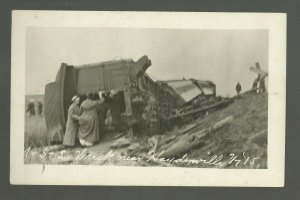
(201, 110)
(188, 142)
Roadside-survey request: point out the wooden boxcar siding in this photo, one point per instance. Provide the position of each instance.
(69, 89)
(52, 106)
(101, 78)
(61, 80)
(58, 97)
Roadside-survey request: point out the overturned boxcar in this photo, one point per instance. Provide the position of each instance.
(79, 80)
(146, 103)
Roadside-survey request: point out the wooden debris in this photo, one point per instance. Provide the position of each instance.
(166, 146)
(187, 142)
(209, 147)
(120, 135)
(201, 110)
(190, 128)
(259, 138)
(167, 142)
(133, 146)
(168, 139)
(153, 143)
(120, 143)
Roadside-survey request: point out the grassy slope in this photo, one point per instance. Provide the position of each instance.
(250, 117)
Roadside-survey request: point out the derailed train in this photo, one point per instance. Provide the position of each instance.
(139, 95)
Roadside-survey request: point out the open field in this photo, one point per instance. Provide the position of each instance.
(35, 132)
(35, 127)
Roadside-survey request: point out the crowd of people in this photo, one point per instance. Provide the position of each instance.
(86, 121)
(31, 108)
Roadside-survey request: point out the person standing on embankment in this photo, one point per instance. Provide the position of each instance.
(238, 88)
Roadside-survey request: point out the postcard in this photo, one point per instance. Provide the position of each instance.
(148, 98)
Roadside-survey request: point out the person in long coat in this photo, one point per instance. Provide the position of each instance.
(262, 86)
(238, 88)
(40, 108)
(30, 108)
(101, 111)
(72, 123)
(88, 121)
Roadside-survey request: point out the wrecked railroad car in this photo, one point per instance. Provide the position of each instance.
(177, 94)
(142, 98)
(79, 80)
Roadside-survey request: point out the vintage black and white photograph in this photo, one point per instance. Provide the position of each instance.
(148, 97)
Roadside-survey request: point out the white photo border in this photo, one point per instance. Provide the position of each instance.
(275, 23)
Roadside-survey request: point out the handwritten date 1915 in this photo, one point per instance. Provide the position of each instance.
(237, 160)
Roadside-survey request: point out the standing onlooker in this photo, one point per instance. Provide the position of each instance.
(40, 108)
(30, 108)
(116, 107)
(238, 88)
(262, 86)
(72, 123)
(255, 83)
(88, 121)
(101, 111)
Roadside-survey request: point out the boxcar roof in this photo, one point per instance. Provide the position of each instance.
(185, 88)
(113, 62)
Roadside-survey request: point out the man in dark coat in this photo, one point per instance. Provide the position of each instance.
(30, 108)
(40, 108)
(101, 111)
(255, 83)
(262, 86)
(238, 88)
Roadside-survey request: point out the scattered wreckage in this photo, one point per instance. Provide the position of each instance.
(143, 105)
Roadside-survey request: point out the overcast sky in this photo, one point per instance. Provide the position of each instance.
(222, 56)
